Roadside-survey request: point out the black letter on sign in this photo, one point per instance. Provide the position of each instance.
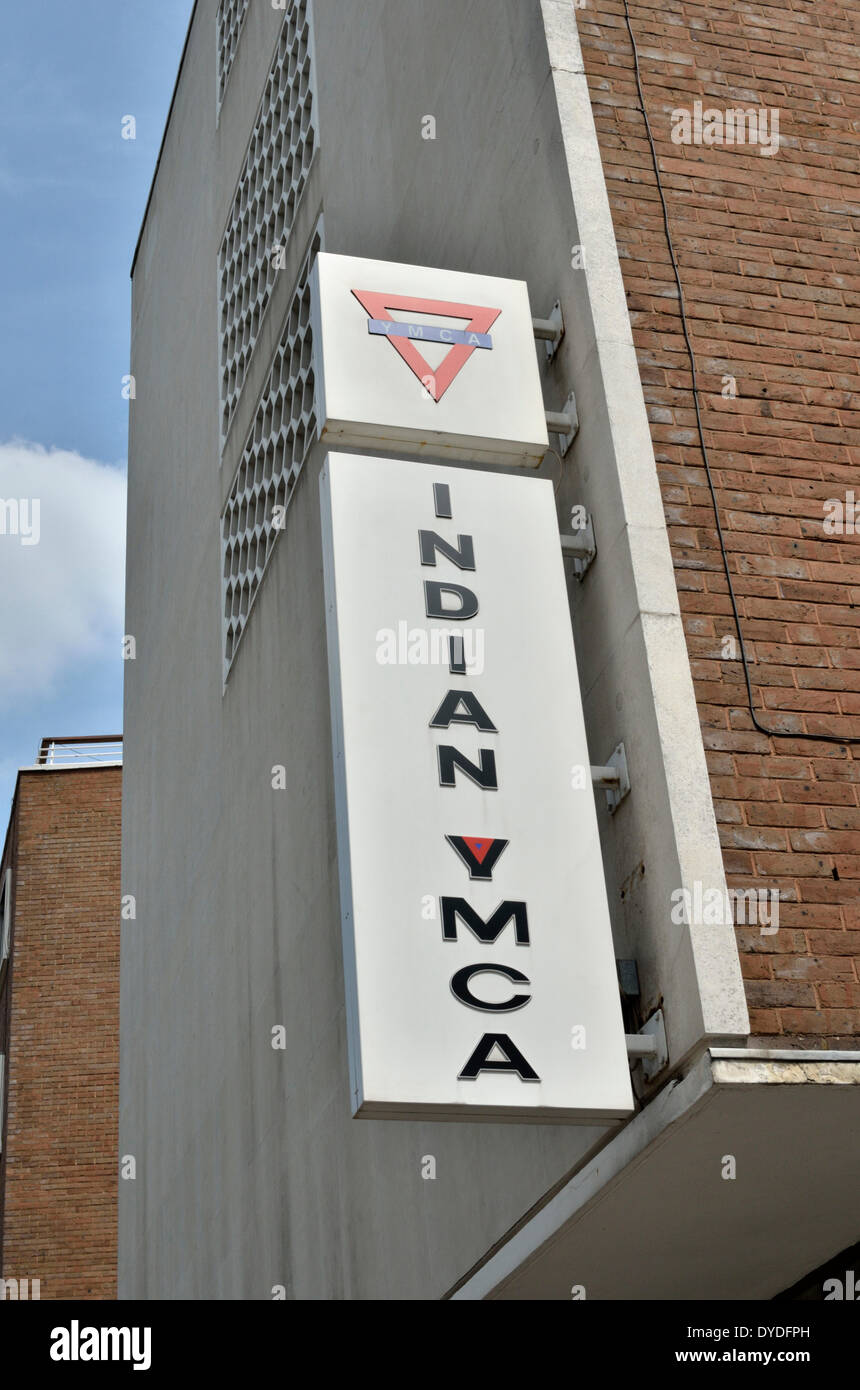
(442, 499)
(456, 655)
(484, 773)
(433, 592)
(461, 981)
(474, 713)
(513, 1059)
(488, 931)
(462, 554)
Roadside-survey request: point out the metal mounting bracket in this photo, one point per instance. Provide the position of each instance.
(614, 777)
(581, 547)
(564, 423)
(649, 1045)
(551, 330)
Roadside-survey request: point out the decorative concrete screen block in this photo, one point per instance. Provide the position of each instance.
(284, 428)
(279, 155)
(231, 17)
(479, 963)
(434, 361)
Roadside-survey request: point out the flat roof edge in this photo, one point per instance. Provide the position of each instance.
(81, 767)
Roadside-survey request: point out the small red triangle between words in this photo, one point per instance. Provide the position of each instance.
(479, 847)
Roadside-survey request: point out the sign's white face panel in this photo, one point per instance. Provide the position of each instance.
(439, 361)
(452, 804)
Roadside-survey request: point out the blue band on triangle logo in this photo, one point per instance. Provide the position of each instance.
(429, 333)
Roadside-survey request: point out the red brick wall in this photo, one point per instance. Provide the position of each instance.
(58, 1179)
(768, 254)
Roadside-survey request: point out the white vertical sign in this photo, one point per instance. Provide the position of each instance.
(480, 971)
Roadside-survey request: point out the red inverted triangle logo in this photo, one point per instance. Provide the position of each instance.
(479, 319)
(480, 848)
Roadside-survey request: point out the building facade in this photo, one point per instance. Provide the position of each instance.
(674, 184)
(59, 1024)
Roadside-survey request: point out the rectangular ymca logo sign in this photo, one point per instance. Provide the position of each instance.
(457, 376)
(479, 966)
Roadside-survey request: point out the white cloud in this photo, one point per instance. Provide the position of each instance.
(61, 600)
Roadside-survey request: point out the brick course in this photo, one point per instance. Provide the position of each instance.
(768, 254)
(58, 1176)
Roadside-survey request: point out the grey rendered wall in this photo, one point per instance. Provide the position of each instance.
(510, 186)
(250, 1171)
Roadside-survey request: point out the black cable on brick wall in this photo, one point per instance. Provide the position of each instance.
(771, 733)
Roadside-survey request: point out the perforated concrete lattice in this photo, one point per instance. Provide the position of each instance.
(285, 426)
(274, 173)
(230, 18)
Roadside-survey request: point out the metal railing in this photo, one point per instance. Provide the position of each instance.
(80, 750)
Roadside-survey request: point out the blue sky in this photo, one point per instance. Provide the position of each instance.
(72, 195)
